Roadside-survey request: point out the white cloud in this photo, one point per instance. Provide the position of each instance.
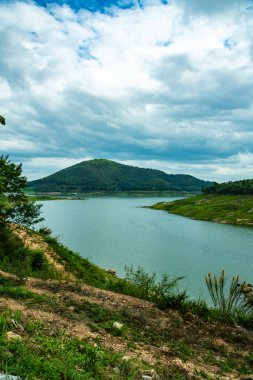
(38, 167)
(170, 86)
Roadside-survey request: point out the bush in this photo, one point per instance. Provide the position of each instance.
(45, 231)
(9, 243)
(38, 261)
(239, 299)
(145, 286)
(16, 258)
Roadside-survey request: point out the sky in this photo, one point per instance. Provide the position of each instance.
(157, 84)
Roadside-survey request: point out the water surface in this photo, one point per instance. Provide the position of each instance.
(114, 232)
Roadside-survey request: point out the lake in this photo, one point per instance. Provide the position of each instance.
(116, 231)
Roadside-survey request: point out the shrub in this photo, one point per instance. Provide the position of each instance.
(239, 299)
(38, 261)
(46, 231)
(146, 286)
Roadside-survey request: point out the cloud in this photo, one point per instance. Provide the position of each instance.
(213, 7)
(160, 84)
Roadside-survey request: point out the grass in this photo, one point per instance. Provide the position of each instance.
(40, 356)
(20, 260)
(81, 267)
(137, 283)
(19, 293)
(238, 298)
(231, 209)
(42, 344)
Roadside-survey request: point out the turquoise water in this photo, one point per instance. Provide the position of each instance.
(114, 232)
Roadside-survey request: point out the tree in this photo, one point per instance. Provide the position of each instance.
(15, 206)
(2, 120)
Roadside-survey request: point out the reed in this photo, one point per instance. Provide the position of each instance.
(238, 299)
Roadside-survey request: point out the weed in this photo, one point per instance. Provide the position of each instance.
(3, 324)
(19, 293)
(237, 300)
(18, 259)
(8, 319)
(181, 349)
(251, 357)
(60, 357)
(146, 286)
(46, 231)
(201, 375)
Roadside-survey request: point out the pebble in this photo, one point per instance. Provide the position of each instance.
(126, 358)
(118, 325)
(12, 336)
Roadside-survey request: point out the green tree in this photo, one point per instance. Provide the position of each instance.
(15, 206)
(2, 120)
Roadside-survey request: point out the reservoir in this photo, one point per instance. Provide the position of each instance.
(116, 231)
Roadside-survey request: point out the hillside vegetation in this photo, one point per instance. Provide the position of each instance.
(108, 176)
(228, 209)
(244, 187)
(54, 324)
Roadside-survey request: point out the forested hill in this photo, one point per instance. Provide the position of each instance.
(109, 176)
(243, 187)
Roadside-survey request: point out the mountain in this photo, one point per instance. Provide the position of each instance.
(109, 176)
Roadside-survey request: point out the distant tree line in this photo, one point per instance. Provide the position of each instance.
(243, 187)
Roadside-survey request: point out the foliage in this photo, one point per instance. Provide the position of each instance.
(14, 205)
(110, 176)
(58, 356)
(147, 287)
(81, 267)
(19, 293)
(239, 298)
(2, 120)
(233, 209)
(7, 319)
(16, 258)
(46, 231)
(136, 283)
(243, 187)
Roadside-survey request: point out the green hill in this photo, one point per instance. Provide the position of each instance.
(226, 209)
(109, 176)
(243, 187)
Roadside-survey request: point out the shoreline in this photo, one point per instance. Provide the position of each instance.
(234, 210)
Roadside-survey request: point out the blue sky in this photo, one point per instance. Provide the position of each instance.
(103, 6)
(167, 85)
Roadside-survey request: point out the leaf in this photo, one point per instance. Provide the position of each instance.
(2, 120)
